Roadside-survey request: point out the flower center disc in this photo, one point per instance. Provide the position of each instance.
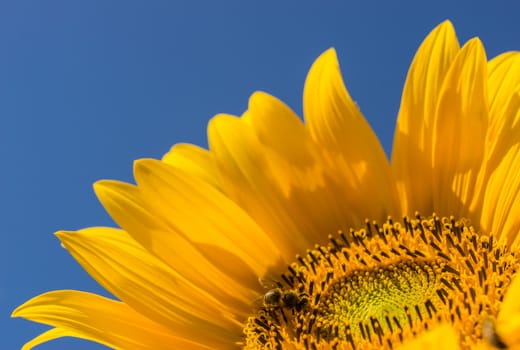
(381, 285)
(395, 294)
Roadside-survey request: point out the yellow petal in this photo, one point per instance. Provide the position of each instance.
(278, 127)
(247, 180)
(498, 176)
(206, 216)
(155, 224)
(441, 337)
(459, 131)
(195, 161)
(289, 155)
(357, 160)
(218, 270)
(504, 84)
(46, 336)
(508, 320)
(125, 205)
(293, 173)
(502, 188)
(92, 317)
(146, 284)
(412, 148)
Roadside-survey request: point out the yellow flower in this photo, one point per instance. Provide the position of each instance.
(419, 252)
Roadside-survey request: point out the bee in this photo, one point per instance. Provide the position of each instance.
(489, 334)
(279, 298)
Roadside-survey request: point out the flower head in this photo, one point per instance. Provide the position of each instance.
(421, 251)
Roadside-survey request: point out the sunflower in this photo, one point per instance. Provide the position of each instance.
(291, 235)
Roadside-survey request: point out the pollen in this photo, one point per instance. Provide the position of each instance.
(383, 284)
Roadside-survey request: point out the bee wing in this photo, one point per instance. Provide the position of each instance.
(258, 302)
(269, 283)
(490, 334)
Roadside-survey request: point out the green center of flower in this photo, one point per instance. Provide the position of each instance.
(383, 284)
(377, 301)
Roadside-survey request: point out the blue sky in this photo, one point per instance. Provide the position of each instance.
(86, 87)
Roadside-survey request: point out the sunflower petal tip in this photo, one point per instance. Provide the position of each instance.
(330, 56)
(476, 43)
(258, 94)
(212, 123)
(261, 99)
(217, 122)
(326, 62)
(256, 97)
(61, 234)
(99, 185)
(445, 29)
(446, 23)
(138, 163)
(64, 237)
(103, 187)
(143, 164)
(21, 310)
(16, 312)
(331, 51)
(218, 117)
